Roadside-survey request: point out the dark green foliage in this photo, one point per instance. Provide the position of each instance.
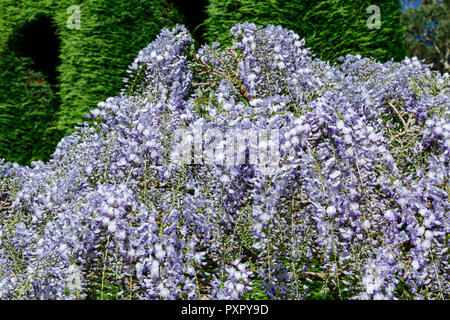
(50, 75)
(332, 28)
(428, 32)
(224, 14)
(95, 57)
(28, 104)
(38, 40)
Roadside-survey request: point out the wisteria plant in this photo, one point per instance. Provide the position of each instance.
(146, 201)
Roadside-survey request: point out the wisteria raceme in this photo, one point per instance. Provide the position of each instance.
(240, 172)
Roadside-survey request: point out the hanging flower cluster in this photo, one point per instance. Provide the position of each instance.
(223, 172)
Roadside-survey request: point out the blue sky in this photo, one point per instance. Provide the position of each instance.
(414, 3)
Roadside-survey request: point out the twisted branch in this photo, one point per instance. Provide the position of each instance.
(397, 112)
(240, 86)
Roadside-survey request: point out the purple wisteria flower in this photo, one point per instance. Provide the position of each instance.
(168, 192)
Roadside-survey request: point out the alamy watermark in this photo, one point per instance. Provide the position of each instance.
(74, 20)
(197, 145)
(374, 21)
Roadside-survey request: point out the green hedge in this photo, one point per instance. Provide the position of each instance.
(94, 59)
(34, 114)
(28, 105)
(96, 56)
(332, 28)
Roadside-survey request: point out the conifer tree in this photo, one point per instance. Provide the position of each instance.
(95, 55)
(332, 28)
(40, 102)
(428, 32)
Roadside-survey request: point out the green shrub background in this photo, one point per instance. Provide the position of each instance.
(34, 116)
(95, 58)
(332, 28)
(36, 113)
